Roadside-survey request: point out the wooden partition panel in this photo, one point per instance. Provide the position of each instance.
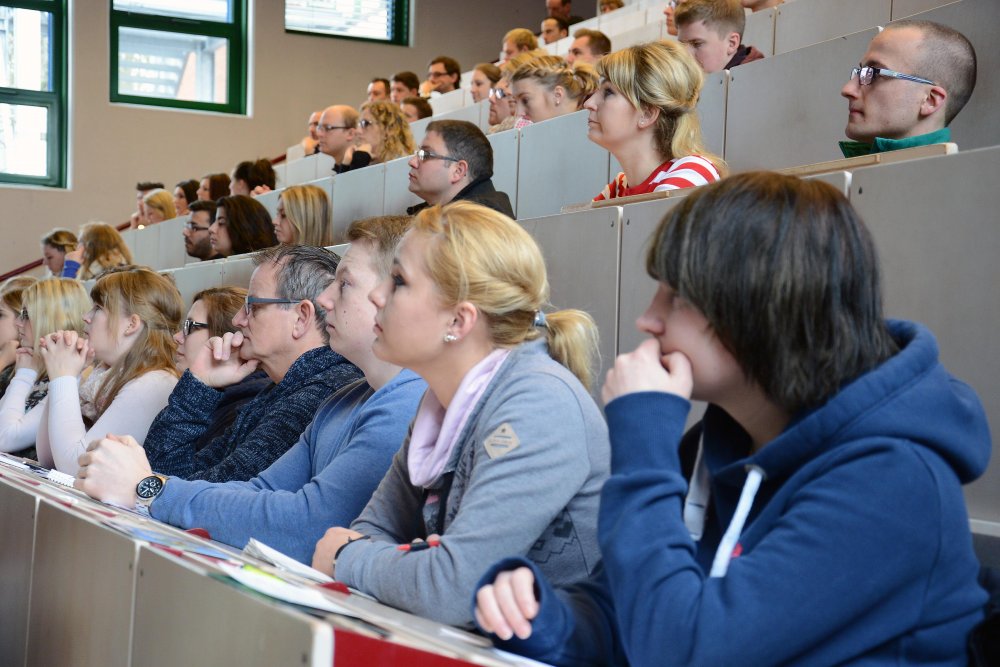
(192, 278)
(712, 111)
(935, 225)
(759, 31)
(170, 247)
(82, 588)
(237, 270)
(806, 22)
(17, 528)
(505, 153)
(904, 8)
(356, 194)
(396, 196)
(581, 252)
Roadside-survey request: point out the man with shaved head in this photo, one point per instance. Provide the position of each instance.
(337, 130)
(914, 79)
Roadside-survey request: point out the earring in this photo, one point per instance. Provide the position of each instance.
(450, 338)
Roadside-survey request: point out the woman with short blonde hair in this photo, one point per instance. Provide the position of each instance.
(303, 216)
(130, 335)
(159, 206)
(547, 87)
(645, 113)
(463, 308)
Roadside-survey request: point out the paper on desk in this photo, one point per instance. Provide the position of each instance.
(271, 586)
(258, 549)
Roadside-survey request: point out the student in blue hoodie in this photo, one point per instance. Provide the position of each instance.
(815, 515)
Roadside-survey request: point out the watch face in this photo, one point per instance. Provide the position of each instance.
(149, 487)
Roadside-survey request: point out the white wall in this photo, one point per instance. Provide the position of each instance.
(113, 146)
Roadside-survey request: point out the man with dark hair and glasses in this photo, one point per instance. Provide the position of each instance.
(280, 330)
(196, 241)
(455, 162)
(337, 130)
(914, 79)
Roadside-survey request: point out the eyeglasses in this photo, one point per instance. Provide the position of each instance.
(331, 128)
(499, 93)
(365, 123)
(191, 227)
(23, 314)
(866, 74)
(190, 325)
(431, 74)
(424, 155)
(256, 300)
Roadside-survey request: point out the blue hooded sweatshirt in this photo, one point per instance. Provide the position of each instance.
(855, 548)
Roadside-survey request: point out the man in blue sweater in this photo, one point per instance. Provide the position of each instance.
(327, 477)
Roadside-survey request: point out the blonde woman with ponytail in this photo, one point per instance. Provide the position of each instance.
(645, 113)
(547, 87)
(130, 338)
(508, 451)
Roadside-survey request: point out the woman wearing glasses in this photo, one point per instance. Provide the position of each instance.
(46, 306)
(508, 451)
(303, 216)
(242, 225)
(645, 113)
(211, 314)
(130, 338)
(385, 132)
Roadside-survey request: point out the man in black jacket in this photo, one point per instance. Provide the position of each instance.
(455, 162)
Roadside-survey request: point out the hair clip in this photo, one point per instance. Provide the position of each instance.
(540, 319)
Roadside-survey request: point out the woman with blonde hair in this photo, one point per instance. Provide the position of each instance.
(303, 216)
(645, 113)
(10, 307)
(547, 87)
(55, 245)
(484, 77)
(385, 132)
(485, 471)
(54, 304)
(130, 337)
(101, 247)
(159, 206)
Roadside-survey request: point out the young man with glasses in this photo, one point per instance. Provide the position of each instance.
(281, 331)
(337, 131)
(444, 74)
(196, 241)
(914, 79)
(455, 162)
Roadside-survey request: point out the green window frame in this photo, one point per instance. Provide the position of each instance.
(235, 31)
(397, 26)
(54, 100)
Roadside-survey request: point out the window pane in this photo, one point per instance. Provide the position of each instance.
(372, 19)
(23, 139)
(24, 41)
(207, 10)
(174, 66)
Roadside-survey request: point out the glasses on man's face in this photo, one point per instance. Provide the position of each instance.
(191, 227)
(431, 74)
(190, 325)
(866, 74)
(499, 93)
(365, 123)
(251, 301)
(23, 314)
(423, 155)
(331, 128)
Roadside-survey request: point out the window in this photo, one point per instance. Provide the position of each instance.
(371, 20)
(187, 54)
(33, 92)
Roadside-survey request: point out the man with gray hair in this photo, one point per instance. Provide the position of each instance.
(281, 332)
(913, 80)
(455, 162)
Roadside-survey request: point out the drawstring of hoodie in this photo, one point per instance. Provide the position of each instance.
(696, 506)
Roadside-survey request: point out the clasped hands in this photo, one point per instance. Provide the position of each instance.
(65, 353)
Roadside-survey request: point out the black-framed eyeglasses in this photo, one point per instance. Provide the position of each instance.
(365, 123)
(331, 128)
(499, 93)
(252, 301)
(190, 325)
(866, 74)
(23, 314)
(191, 227)
(431, 74)
(423, 155)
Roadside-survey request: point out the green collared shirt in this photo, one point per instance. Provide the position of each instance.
(880, 145)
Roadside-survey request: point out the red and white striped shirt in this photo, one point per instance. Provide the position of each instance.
(684, 172)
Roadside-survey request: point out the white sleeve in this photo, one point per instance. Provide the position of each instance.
(18, 428)
(131, 413)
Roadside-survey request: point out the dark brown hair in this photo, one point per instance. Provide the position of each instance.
(786, 274)
(221, 304)
(248, 223)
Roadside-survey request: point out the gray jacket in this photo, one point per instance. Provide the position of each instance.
(525, 480)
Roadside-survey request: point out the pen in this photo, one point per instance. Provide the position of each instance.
(419, 546)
